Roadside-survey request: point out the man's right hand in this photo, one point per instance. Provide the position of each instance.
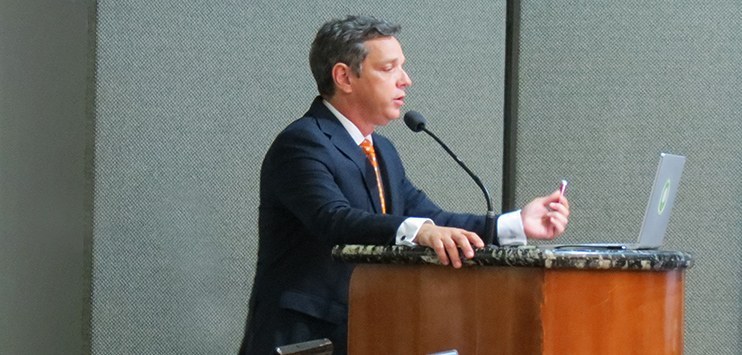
(446, 242)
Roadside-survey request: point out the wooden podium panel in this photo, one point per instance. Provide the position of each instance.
(421, 309)
(613, 312)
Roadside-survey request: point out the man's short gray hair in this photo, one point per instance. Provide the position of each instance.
(341, 41)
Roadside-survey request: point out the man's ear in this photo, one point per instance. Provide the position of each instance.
(341, 73)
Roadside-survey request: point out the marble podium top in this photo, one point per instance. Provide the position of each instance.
(524, 256)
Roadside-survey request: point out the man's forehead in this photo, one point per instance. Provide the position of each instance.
(384, 49)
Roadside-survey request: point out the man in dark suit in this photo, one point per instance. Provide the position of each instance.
(328, 179)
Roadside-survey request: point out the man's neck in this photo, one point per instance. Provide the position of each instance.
(349, 126)
(348, 110)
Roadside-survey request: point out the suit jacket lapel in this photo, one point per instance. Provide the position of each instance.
(342, 140)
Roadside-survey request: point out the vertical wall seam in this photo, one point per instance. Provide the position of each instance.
(510, 106)
(89, 203)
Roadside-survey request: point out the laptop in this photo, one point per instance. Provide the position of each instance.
(657, 214)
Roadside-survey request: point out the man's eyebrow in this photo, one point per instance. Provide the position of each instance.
(394, 60)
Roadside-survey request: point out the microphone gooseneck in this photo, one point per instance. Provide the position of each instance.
(416, 122)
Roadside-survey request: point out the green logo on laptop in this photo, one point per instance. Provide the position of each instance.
(663, 198)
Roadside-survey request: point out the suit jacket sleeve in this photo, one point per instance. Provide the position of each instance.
(318, 177)
(415, 202)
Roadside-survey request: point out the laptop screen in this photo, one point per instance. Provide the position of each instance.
(661, 200)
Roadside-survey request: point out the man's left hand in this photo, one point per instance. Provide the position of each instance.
(546, 217)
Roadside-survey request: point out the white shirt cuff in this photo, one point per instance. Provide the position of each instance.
(510, 229)
(407, 231)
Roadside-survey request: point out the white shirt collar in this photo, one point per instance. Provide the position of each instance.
(354, 132)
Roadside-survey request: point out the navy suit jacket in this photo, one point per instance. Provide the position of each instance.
(317, 190)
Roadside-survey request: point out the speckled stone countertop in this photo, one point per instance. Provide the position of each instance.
(525, 256)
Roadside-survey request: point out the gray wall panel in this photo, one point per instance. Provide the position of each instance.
(604, 87)
(189, 96)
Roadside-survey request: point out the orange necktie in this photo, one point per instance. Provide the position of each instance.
(368, 148)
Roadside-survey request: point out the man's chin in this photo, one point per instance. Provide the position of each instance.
(394, 115)
(390, 117)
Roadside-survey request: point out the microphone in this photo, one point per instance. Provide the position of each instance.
(416, 122)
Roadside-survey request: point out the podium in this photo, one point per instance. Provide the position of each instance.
(525, 300)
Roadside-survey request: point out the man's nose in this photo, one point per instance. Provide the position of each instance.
(405, 80)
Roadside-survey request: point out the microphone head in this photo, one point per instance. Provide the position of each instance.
(415, 121)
